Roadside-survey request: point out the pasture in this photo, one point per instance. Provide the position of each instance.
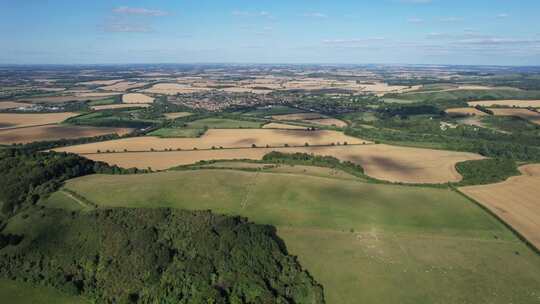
(366, 243)
(55, 132)
(15, 120)
(226, 138)
(515, 201)
(177, 132)
(390, 163)
(24, 293)
(120, 106)
(507, 103)
(223, 123)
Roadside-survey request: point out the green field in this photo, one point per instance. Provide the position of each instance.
(366, 243)
(12, 292)
(223, 123)
(177, 132)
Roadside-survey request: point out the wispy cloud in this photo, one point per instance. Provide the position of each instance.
(416, 1)
(314, 15)
(451, 19)
(502, 16)
(415, 20)
(252, 14)
(127, 28)
(126, 10)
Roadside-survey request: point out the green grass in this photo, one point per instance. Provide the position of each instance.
(274, 110)
(24, 293)
(177, 132)
(102, 102)
(366, 243)
(223, 123)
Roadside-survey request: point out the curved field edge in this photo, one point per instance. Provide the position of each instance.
(363, 242)
(514, 202)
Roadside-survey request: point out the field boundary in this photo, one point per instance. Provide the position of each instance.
(500, 220)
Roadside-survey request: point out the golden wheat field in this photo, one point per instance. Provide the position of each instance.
(516, 201)
(54, 132)
(173, 89)
(176, 115)
(529, 115)
(4, 105)
(328, 122)
(123, 86)
(137, 98)
(226, 138)
(508, 103)
(390, 163)
(465, 111)
(13, 120)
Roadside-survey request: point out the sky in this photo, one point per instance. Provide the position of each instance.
(473, 32)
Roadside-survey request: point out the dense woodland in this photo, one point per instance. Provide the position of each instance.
(155, 256)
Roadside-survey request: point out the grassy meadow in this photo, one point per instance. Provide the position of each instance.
(366, 243)
(23, 293)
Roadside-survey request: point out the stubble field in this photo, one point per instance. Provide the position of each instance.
(390, 163)
(515, 200)
(55, 132)
(12, 120)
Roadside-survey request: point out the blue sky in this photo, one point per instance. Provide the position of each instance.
(501, 32)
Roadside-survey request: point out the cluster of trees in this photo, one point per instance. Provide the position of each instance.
(26, 177)
(157, 256)
(486, 171)
(313, 160)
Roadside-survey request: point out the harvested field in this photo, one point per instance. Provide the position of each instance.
(96, 94)
(4, 105)
(529, 115)
(62, 98)
(54, 132)
(123, 86)
(100, 82)
(226, 138)
(173, 89)
(12, 120)
(120, 106)
(298, 116)
(176, 115)
(275, 125)
(137, 98)
(328, 122)
(515, 201)
(465, 111)
(391, 163)
(509, 103)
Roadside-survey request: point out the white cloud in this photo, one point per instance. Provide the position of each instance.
(450, 19)
(502, 16)
(139, 11)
